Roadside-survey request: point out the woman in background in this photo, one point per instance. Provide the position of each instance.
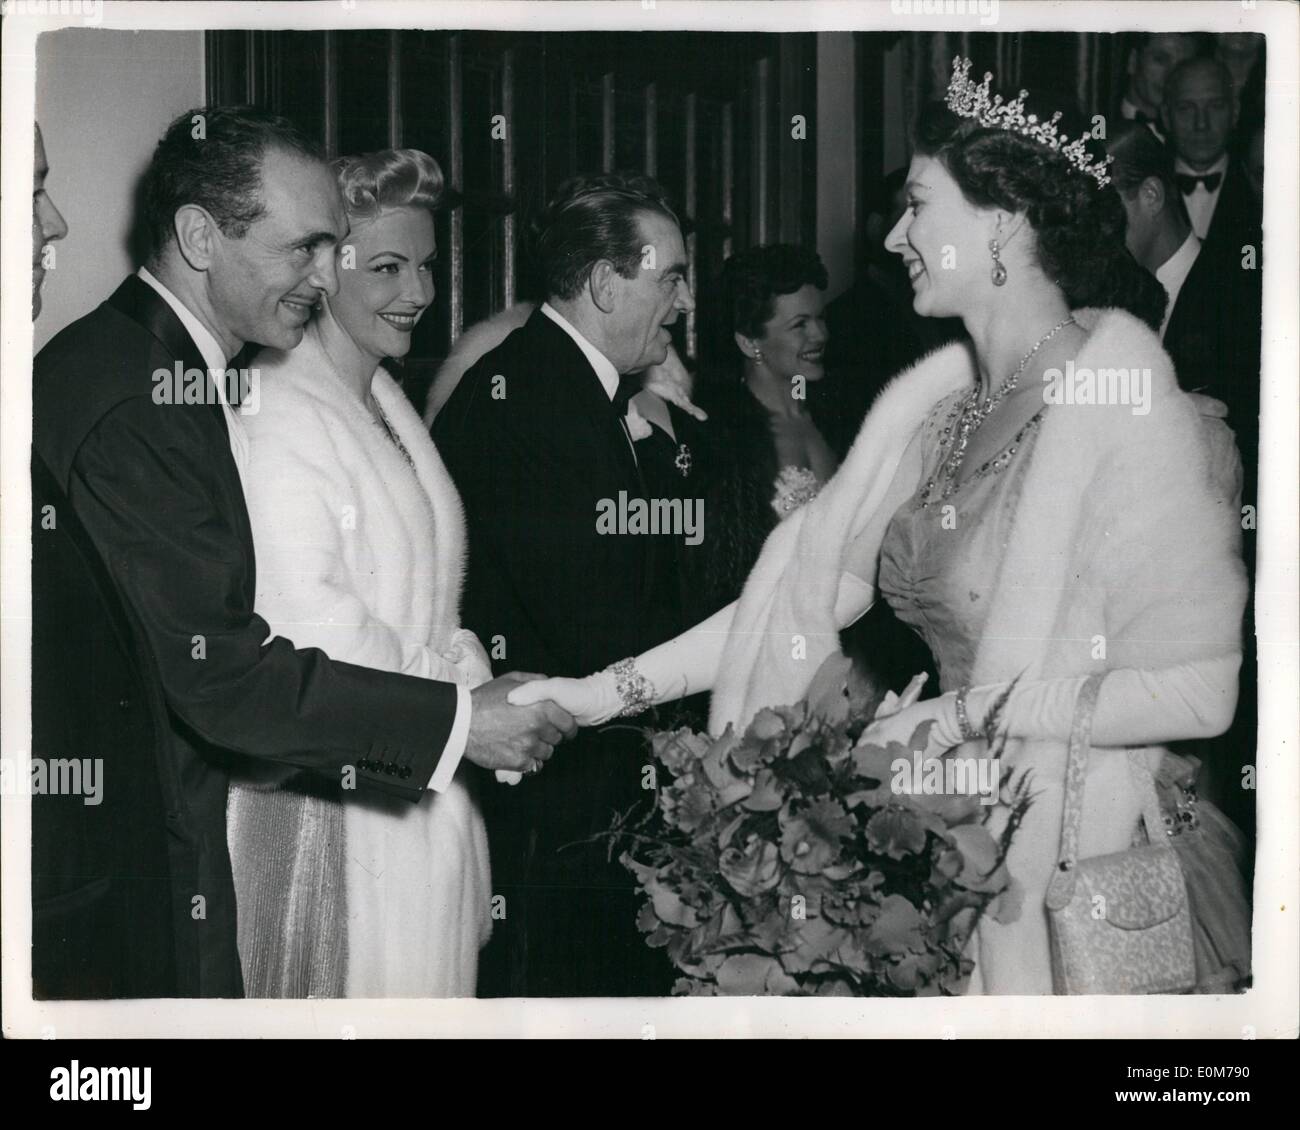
(360, 550)
(778, 428)
(774, 437)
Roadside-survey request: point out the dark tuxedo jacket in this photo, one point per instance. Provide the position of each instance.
(1213, 339)
(1237, 215)
(104, 920)
(157, 491)
(534, 445)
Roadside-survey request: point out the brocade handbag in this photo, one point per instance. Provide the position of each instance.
(1119, 923)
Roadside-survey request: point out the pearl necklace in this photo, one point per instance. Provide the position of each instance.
(965, 420)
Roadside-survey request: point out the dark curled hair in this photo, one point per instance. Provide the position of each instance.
(593, 218)
(1079, 226)
(1140, 155)
(753, 279)
(212, 156)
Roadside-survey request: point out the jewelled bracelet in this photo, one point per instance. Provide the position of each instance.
(634, 689)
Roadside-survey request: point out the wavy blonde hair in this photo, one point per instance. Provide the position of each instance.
(388, 178)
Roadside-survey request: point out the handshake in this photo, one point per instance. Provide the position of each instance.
(514, 739)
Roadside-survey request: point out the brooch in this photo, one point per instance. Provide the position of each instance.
(683, 460)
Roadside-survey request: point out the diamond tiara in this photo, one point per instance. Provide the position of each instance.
(967, 99)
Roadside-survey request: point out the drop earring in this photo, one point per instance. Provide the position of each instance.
(999, 272)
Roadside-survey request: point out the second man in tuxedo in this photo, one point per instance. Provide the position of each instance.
(537, 440)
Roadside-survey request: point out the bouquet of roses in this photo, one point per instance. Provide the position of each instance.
(783, 861)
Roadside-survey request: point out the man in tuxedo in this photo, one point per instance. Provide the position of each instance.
(1199, 114)
(1211, 328)
(1150, 59)
(243, 217)
(536, 437)
(1211, 332)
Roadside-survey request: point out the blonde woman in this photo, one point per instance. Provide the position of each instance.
(361, 552)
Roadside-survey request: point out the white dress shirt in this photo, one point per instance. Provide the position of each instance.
(1201, 203)
(215, 359)
(1172, 273)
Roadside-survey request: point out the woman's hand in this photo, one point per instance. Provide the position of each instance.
(467, 653)
(900, 725)
(591, 701)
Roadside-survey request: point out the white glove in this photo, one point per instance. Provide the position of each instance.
(467, 653)
(591, 701)
(670, 380)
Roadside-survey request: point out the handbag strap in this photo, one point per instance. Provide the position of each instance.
(1152, 817)
(1076, 770)
(1061, 889)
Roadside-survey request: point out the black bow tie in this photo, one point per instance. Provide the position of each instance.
(1145, 119)
(629, 384)
(1187, 182)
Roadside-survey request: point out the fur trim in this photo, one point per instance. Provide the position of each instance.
(477, 341)
(355, 553)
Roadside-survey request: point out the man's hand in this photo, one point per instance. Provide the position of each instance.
(502, 736)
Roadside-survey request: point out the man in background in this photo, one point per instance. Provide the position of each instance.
(1150, 59)
(1199, 113)
(538, 438)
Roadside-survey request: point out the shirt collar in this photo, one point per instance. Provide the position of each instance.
(1180, 262)
(1219, 166)
(213, 355)
(605, 370)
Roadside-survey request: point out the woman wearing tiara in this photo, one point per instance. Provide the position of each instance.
(361, 552)
(1033, 535)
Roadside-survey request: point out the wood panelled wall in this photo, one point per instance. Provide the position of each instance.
(511, 116)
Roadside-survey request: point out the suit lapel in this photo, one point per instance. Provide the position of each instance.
(589, 400)
(142, 304)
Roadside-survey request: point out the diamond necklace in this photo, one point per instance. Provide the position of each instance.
(966, 418)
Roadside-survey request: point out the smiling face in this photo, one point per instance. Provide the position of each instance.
(646, 304)
(390, 286)
(940, 237)
(794, 338)
(265, 285)
(1200, 112)
(47, 224)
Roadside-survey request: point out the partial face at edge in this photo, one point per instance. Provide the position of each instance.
(48, 224)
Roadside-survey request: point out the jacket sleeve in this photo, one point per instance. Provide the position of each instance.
(158, 517)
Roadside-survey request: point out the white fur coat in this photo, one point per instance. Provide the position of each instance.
(365, 560)
(354, 554)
